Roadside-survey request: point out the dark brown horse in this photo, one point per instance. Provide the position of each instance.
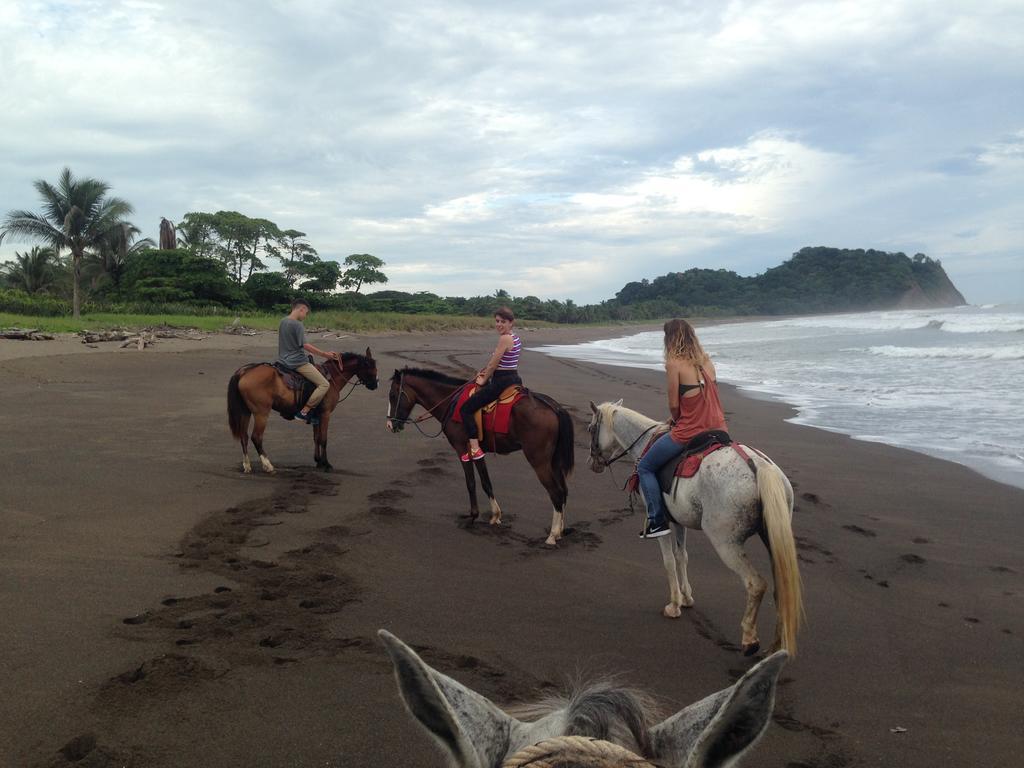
(538, 426)
(257, 388)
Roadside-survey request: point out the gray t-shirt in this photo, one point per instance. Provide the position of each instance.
(291, 335)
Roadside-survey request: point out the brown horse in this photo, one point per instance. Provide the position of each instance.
(538, 426)
(256, 388)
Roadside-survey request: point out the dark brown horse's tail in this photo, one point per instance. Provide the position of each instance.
(564, 458)
(238, 411)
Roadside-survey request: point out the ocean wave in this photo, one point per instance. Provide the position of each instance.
(949, 321)
(1009, 352)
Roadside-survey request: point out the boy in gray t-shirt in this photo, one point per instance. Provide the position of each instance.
(291, 352)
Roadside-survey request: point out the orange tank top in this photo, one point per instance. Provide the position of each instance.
(699, 413)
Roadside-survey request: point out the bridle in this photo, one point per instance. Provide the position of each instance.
(353, 379)
(423, 416)
(595, 448)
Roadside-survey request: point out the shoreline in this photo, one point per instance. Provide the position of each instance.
(136, 564)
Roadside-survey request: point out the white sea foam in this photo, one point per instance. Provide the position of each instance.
(946, 382)
(1009, 352)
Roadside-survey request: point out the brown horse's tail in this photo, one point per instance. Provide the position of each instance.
(238, 411)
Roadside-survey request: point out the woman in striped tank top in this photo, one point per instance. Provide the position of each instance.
(501, 371)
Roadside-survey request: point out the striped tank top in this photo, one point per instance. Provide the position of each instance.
(510, 360)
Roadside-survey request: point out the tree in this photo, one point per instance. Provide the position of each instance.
(179, 275)
(168, 239)
(323, 277)
(32, 272)
(268, 289)
(299, 254)
(77, 215)
(362, 268)
(112, 253)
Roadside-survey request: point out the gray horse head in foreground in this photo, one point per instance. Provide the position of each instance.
(712, 733)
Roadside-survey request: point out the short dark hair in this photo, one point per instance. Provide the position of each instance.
(300, 302)
(505, 314)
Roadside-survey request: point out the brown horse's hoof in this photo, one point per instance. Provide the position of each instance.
(749, 649)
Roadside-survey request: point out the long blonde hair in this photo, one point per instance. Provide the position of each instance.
(681, 342)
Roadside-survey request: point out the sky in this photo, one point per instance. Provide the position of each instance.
(555, 149)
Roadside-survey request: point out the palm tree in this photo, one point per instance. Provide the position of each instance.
(33, 271)
(110, 257)
(77, 215)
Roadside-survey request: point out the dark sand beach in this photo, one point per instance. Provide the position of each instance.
(161, 609)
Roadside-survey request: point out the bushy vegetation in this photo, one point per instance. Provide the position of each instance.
(216, 264)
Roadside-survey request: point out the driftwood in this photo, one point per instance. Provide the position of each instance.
(25, 334)
(240, 330)
(141, 338)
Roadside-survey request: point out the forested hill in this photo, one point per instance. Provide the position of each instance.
(814, 280)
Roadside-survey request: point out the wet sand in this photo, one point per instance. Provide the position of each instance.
(161, 609)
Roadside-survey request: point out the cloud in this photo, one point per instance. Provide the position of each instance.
(566, 148)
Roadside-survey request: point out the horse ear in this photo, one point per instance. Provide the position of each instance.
(718, 729)
(593, 407)
(467, 725)
(368, 353)
(618, 402)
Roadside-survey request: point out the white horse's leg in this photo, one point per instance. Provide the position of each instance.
(682, 558)
(735, 558)
(557, 525)
(675, 595)
(495, 511)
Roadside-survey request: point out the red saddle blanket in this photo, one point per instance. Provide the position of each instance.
(495, 416)
(686, 467)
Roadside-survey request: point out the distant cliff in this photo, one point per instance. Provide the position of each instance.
(814, 280)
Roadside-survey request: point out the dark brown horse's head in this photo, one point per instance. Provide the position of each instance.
(400, 402)
(363, 367)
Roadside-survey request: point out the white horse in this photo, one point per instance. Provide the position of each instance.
(599, 725)
(727, 502)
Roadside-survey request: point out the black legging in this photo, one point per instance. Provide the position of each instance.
(488, 393)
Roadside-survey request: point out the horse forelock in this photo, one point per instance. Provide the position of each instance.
(602, 710)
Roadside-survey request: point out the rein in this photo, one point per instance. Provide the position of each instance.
(625, 452)
(427, 413)
(575, 750)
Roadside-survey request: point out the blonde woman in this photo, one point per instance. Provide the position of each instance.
(695, 408)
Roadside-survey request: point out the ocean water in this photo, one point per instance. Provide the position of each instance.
(949, 383)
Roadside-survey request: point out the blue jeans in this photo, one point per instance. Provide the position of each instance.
(659, 454)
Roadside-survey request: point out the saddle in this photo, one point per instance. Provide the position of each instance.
(299, 384)
(494, 416)
(688, 463)
(690, 460)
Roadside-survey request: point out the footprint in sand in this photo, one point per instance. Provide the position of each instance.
(386, 511)
(922, 540)
(862, 531)
(1001, 569)
(142, 618)
(913, 559)
(389, 495)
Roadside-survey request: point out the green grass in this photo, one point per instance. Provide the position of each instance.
(356, 322)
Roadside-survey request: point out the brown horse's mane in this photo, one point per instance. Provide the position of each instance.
(354, 355)
(426, 373)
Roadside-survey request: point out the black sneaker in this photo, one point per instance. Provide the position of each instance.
(655, 530)
(310, 418)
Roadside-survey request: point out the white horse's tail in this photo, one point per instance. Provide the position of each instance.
(777, 514)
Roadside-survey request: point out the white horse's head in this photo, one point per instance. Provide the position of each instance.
(602, 437)
(475, 733)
